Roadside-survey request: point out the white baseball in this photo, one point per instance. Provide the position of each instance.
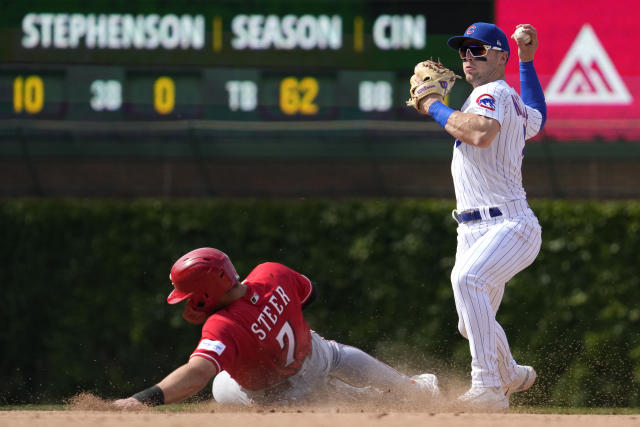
(521, 36)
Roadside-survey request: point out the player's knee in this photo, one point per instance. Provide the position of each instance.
(328, 352)
(227, 391)
(454, 274)
(463, 279)
(462, 329)
(458, 278)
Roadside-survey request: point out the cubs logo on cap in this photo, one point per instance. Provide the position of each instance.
(483, 32)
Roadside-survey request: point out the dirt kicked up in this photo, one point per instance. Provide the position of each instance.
(88, 410)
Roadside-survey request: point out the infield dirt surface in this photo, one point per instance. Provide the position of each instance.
(89, 410)
(307, 418)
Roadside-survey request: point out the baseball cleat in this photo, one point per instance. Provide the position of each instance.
(484, 399)
(525, 377)
(428, 383)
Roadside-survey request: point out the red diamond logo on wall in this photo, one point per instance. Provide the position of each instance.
(587, 75)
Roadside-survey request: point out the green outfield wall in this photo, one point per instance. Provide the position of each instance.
(84, 285)
(149, 98)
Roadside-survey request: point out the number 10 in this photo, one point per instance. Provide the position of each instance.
(28, 94)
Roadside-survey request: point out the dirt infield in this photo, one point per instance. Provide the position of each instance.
(86, 409)
(307, 418)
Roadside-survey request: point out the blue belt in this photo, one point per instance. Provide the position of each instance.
(474, 215)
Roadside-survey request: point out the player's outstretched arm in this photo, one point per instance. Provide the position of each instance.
(184, 382)
(469, 128)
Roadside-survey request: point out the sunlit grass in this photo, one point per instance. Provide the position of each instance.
(573, 411)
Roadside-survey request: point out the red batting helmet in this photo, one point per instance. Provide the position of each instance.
(202, 275)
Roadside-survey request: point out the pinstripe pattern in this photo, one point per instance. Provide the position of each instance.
(489, 254)
(491, 251)
(492, 176)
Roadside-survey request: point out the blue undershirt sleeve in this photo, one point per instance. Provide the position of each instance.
(440, 112)
(531, 91)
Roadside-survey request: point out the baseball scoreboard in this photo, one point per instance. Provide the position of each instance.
(316, 60)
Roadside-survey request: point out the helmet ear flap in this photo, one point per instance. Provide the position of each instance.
(198, 302)
(207, 301)
(202, 302)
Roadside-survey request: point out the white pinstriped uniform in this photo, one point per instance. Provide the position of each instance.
(492, 250)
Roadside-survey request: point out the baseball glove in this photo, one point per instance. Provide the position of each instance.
(430, 77)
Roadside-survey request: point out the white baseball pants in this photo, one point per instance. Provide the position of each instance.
(327, 358)
(490, 252)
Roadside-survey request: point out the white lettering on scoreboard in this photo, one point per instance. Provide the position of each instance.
(289, 32)
(391, 32)
(106, 95)
(112, 31)
(243, 95)
(249, 31)
(375, 96)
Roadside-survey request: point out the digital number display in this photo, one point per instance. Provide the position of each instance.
(28, 94)
(229, 94)
(223, 60)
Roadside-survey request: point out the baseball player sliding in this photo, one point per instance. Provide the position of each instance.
(257, 344)
(498, 234)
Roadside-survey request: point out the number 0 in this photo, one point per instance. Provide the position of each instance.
(164, 95)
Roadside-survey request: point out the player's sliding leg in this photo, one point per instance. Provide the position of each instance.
(350, 365)
(357, 368)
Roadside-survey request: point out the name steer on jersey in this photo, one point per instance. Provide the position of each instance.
(266, 319)
(257, 345)
(498, 233)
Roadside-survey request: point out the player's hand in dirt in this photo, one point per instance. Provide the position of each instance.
(128, 403)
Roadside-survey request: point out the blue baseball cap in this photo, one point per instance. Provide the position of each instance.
(484, 32)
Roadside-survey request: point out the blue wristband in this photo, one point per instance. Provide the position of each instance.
(440, 112)
(531, 91)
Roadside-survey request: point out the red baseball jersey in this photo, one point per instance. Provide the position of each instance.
(261, 338)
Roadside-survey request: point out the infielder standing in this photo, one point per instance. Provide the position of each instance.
(257, 344)
(498, 234)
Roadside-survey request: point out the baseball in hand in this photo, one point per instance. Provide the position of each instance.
(521, 36)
